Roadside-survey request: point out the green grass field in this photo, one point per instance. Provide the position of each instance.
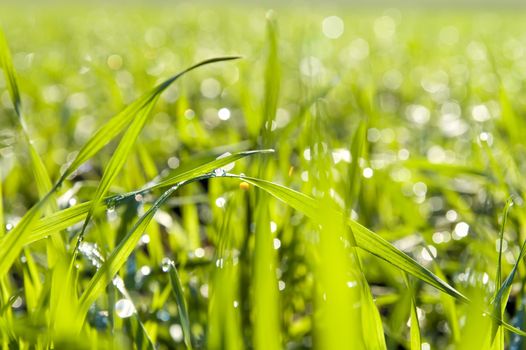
(233, 178)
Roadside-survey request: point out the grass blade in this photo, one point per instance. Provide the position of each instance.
(117, 124)
(178, 293)
(65, 218)
(365, 238)
(128, 140)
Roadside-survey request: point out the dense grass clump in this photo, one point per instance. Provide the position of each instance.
(191, 177)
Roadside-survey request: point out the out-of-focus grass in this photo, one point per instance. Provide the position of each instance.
(387, 126)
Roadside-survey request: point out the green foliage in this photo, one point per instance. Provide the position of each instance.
(344, 186)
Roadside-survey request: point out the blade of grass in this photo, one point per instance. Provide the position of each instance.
(178, 293)
(416, 341)
(365, 238)
(123, 250)
(117, 124)
(65, 218)
(120, 155)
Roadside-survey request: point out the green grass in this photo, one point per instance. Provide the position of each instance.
(331, 189)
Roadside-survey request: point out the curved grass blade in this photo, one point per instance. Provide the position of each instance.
(188, 174)
(9, 72)
(365, 238)
(40, 173)
(123, 250)
(499, 301)
(117, 124)
(372, 242)
(65, 218)
(416, 339)
(178, 293)
(13, 242)
(128, 140)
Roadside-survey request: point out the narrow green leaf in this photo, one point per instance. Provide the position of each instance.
(123, 250)
(125, 146)
(416, 341)
(178, 293)
(65, 218)
(365, 238)
(9, 71)
(117, 124)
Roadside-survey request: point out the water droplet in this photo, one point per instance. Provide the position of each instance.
(138, 197)
(276, 243)
(166, 264)
(124, 308)
(219, 172)
(281, 285)
(17, 303)
(219, 263)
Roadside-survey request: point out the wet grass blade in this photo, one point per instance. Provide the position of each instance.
(365, 238)
(124, 148)
(13, 242)
(123, 250)
(188, 174)
(178, 293)
(65, 218)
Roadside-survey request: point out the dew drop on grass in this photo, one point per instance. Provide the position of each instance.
(124, 308)
(281, 285)
(224, 169)
(276, 243)
(166, 264)
(498, 245)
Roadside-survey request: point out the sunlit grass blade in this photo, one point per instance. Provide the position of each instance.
(118, 123)
(119, 255)
(13, 242)
(178, 293)
(41, 175)
(9, 72)
(120, 155)
(123, 250)
(416, 340)
(500, 301)
(188, 174)
(501, 296)
(365, 238)
(65, 218)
